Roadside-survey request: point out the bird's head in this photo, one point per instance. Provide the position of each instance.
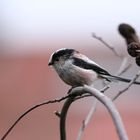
(61, 56)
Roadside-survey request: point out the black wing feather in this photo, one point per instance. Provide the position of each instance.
(81, 63)
(103, 73)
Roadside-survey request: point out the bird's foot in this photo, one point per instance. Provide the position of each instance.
(69, 91)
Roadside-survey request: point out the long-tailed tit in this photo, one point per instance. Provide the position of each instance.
(75, 69)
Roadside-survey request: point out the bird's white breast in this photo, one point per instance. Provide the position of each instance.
(74, 75)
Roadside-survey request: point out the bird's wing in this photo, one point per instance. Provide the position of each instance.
(89, 65)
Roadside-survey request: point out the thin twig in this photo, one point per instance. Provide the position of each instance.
(106, 44)
(87, 120)
(105, 88)
(82, 96)
(105, 101)
(128, 86)
(124, 66)
(31, 109)
(125, 69)
(57, 113)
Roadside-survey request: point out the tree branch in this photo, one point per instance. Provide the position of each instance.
(104, 100)
(128, 86)
(63, 116)
(87, 119)
(106, 44)
(31, 109)
(124, 66)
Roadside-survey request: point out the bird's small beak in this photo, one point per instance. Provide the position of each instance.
(50, 63)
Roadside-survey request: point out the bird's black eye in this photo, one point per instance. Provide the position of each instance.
(57, 59)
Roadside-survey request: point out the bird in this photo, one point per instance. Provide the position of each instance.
(76, 69)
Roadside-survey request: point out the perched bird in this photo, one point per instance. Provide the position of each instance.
(76, 69)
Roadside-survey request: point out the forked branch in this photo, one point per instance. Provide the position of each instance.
(104, 100)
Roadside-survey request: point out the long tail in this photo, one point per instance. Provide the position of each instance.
(113, 78)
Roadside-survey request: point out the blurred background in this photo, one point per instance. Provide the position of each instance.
(30, 31)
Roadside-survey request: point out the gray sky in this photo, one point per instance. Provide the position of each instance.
(72, 19)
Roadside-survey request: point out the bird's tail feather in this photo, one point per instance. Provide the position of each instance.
(114, 78)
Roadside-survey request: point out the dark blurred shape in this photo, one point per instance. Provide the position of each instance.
(138, 60)
(132, 40)
(133, 49)
(128, 32)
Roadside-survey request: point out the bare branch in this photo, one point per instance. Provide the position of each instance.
(57, 113)
(31, 109)
(124, 66)
(63, 116)
(104, 100)
(106, 44)
(128, 86)
(73, 96)
(87, 120)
